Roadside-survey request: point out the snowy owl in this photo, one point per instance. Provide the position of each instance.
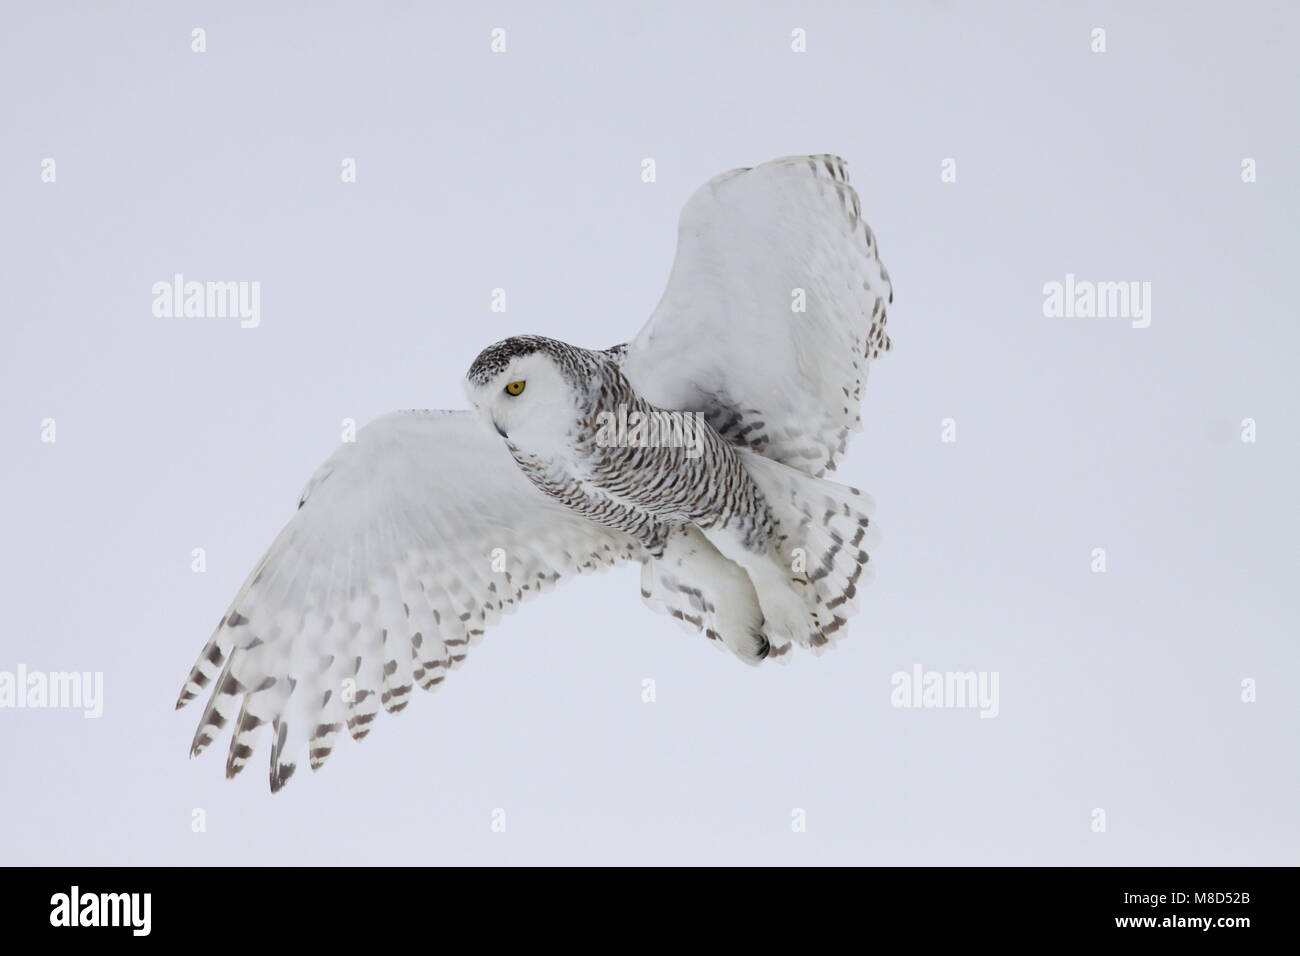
(697, 449)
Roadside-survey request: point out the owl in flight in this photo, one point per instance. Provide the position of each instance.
(697, 449)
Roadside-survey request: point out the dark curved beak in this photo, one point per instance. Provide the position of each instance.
(500, 431)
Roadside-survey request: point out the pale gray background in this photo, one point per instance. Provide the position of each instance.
(1119, 691)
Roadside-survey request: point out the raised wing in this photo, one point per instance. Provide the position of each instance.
(406, 544)
(754, 247)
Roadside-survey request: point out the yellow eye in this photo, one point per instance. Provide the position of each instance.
(514, 388)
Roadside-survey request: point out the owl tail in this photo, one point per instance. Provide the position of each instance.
(824, 534)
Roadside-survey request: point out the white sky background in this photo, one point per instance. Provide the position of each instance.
(1119, 691)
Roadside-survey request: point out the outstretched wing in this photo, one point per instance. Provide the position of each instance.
(406, 544)
(774, 308)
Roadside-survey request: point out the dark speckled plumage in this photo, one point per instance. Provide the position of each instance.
(645, 491)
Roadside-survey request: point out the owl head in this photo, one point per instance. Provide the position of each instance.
(531, 389)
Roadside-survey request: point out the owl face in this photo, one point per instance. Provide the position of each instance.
(519, 389)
